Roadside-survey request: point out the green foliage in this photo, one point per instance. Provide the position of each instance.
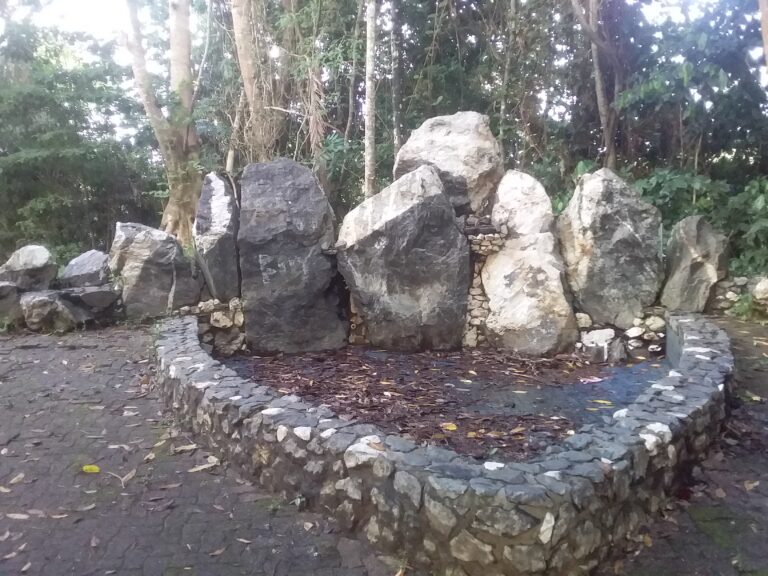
(744, 307)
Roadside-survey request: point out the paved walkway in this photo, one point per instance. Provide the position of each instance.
(720, 525)
(82, 400)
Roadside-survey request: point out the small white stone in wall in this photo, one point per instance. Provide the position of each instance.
(620, 413)
(272, 411)
(327, 433)
(493, 465)
(303, 432)
(635, 332)
(674, 373)
(554, 474)
(282, 432)
(661, 430)
(547, 527)
(235, 398)
(651, 442)
(658, 386)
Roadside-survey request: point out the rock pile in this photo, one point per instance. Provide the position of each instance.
(220, 325)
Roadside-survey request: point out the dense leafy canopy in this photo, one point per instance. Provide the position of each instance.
(76, 154)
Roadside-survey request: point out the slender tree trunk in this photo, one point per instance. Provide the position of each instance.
(237, 126)
(179, 144)
(397, 99)
(509, 48)
(370, 100)
(764, 26)
(351, 100)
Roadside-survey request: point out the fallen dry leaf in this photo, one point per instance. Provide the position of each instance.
(15, 516)
(202, 467)
(26, 567)
(218, 552)
(149, 457)
(647, 540)
(91, 469)
(720, 493)
(95, 541)
(185, 448)
(5, 536)
(170, 486)
(243, 540)
(86, 508)
(4, 490)
(750, 485)
(16, 479)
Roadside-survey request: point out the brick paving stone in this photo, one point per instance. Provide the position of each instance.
(84, 399)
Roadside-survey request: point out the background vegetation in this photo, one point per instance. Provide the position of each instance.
(77, 152)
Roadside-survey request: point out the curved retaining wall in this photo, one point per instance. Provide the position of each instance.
(558, 514)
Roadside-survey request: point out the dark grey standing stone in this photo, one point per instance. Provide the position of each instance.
(407, 265)
(215, 235)
(696, 261)
(289, 287)
(89, 269)
(30, 268)
(10, 306)
(156, 276)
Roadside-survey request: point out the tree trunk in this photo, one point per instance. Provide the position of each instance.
(351, 100)
(509, 47)
(370, 100)
(237, 126)
(397, 99)
(179, 144)
(764, 26)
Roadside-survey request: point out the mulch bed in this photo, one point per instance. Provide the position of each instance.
(425, 395)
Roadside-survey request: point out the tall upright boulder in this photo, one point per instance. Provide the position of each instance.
(215, 236)
(696, 260)
(10, 306)
(609, 238)
(289, 288)
(89, 269)
(30, 268)
(407, 265)
(465, 153)
(155, 274)
(525, 280)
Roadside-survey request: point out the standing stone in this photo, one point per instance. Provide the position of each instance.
(89, 269)
(610, 241)
(30, 268)
(524, 282)
(407, 265)
(759, 294)
(215, 235)
(465, 153)
(156, 276)
(696, 261)
(10, 306)
(290, 294)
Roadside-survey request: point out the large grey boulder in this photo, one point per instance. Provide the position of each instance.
(407, 265)
(524, 281)
(215, 236)
(609, 238)
(10, 306)
(64, 310)
(696, 260)
(465, 153)
(89, 269)
(155, 275)
(30, 268)
(291, 301)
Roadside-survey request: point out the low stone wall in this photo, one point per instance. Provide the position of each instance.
(558, 514)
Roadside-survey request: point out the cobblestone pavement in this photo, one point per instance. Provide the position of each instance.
(83, 399)
(720, 526)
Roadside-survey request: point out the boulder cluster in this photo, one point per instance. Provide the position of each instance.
(455, 252)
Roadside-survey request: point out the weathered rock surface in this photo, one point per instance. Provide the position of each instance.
(609, 237)
(89, 269)
(760, 295)
(30, 268)
(64, 310)
(407, 265)
(603, 346)
(464, 151)
(156, 276)
(524, 282)
(10, 306)
(696, 261)
(215, 235)
(291, 300)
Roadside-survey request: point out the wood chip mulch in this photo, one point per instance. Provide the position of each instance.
(425, 395)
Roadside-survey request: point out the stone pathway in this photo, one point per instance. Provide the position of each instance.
(720, 526)
(83, 399)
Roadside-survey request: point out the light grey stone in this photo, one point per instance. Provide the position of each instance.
(696, 261)
(525, 559)
(503, 522)
(467, 548)
(609, 237)
(155, 275)
(465, 153)
(529, 310)
(10, 305)
(407, 265)
(30, 268)
(409, 486)
(439, 515)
